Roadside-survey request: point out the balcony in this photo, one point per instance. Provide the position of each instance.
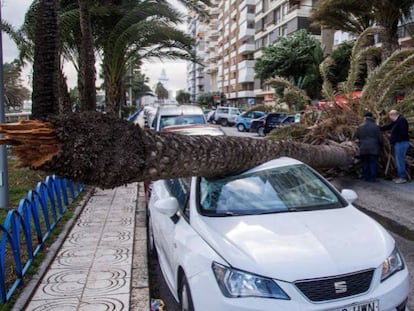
(249, 64)
(244, 3)
(244, 32)
(247, 48)
(245, 16)
(246, 75)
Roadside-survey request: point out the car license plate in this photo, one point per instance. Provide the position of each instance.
(367, 306)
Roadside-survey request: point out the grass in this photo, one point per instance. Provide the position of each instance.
(21, 181)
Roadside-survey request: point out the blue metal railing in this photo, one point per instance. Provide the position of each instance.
(26, 229)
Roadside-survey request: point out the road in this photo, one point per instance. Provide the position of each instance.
(160, 289)
(232, 131)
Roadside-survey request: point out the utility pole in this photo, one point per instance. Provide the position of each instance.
(4, 178)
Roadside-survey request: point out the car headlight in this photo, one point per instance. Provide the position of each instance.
(235, 283)
(392, 264)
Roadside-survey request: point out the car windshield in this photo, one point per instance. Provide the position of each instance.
(284, 189)
(181, 120)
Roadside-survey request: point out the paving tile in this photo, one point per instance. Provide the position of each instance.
(66, 304)
(116, 302)
(107, 287)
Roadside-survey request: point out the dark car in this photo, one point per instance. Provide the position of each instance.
(256, 123)
(271, 121)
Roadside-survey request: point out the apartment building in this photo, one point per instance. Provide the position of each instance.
(233, 38)
(274, 19)
(211, 51)
(198, 81)
(235, 76)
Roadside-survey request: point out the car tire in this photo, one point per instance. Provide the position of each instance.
(261, 131)
(224, 122)
(152, 251)
(186, 301)
(241, 127)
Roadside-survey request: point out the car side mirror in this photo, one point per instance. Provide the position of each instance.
(349, 195)
(168, 206)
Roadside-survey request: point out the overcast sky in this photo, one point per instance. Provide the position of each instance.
(13, 11)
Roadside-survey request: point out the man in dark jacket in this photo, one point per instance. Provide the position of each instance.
(370, 143)
(401, 142)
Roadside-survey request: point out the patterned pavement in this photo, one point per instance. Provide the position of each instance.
(93, 270)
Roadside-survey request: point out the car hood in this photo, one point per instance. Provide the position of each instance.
(298, 245)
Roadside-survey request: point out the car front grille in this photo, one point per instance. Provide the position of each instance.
(336, 287)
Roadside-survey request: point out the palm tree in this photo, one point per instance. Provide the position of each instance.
(137, 30)
(102, 150)
(161, 91)
(355, 16)
(14, 92)
(46, 63)
(87, 73)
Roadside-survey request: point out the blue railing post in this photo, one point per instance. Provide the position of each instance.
(48, 194)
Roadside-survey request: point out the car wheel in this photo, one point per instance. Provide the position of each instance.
(223, 122)
(186, 301)
(260, 131)
(241, 127)
(152, 252)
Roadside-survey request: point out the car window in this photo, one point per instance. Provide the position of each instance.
(257, 115)
(275, 118)
(284, 189)
(181, 120)
(234, 111)
(180, 189)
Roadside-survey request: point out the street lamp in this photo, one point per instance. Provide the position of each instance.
(4, 185)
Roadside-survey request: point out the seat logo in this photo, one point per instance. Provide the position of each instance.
(340, 287)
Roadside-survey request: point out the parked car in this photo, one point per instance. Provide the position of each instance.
(276, 237)
(243, 120)
(226, 115)
(256, 123)
(167, 115)
(271, 121)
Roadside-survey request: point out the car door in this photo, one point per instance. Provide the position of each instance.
(167, 228)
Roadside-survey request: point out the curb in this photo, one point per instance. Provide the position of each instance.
(51, 253)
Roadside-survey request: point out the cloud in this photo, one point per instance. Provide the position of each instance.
(14, 11)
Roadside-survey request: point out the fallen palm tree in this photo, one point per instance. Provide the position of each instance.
(102, 150)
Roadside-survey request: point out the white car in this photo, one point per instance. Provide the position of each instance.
(277, 237)
(168, 115)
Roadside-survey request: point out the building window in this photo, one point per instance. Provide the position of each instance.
(276, 15)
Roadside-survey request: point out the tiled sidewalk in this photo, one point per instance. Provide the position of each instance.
(93, 270)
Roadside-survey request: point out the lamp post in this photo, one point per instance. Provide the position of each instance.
(4, 180)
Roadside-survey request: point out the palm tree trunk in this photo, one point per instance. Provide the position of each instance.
(46, 61)
(102, 150)
(113, 96)
(87, 71)
(65, 102)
